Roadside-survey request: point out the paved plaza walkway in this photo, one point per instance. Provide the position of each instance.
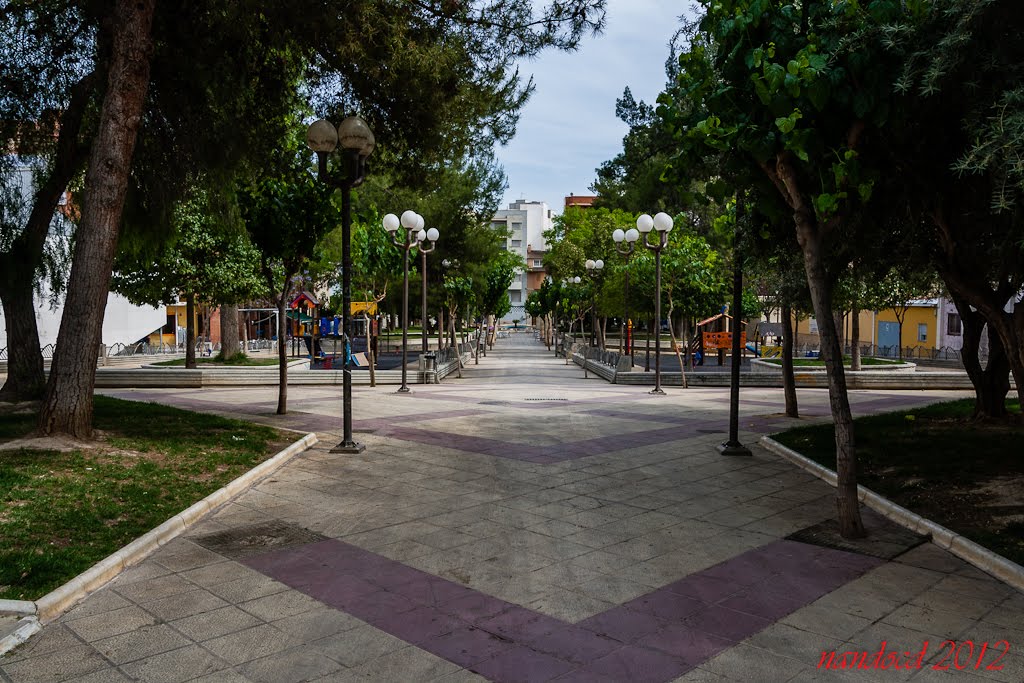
(526, 524)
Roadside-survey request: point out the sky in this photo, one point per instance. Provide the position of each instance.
(568, 128)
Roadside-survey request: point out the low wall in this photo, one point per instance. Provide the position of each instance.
(767, 367)
(864, 379)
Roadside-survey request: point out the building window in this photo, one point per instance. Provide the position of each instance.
(953, 324)
(922, 332)
(537, 263)
(517, 243)
(813, 325)
(515, 296)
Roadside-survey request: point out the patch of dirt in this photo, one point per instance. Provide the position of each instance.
(48, 443)
(20, 408)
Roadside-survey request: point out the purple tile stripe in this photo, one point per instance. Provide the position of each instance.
(656, 637)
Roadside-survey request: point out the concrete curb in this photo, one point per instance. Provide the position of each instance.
(964, 548)
(27, 627)
(55, 603)
(17, 607)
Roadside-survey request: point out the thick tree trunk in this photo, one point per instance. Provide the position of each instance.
(229, 331)
(282, 352)
(67, 406)
(788, 380)
(190, 331)
(25, 378)
(991, 383)
(809, 236)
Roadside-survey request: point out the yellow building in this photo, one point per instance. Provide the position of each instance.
(882, 330)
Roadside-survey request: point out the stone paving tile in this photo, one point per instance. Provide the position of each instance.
(111, 623)
(216, 623)
(175, 666)
(61, 665)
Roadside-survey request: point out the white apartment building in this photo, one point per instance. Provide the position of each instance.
(123, 321)
(525, 223)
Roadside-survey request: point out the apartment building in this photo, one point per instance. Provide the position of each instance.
(525, 223)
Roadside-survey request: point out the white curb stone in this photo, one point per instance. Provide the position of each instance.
(964, 548)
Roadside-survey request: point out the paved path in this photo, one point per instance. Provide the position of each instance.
(524, 524)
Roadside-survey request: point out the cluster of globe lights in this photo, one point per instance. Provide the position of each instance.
(662, 222)
(411, 221)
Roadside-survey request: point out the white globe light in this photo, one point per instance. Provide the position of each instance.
(589, 264)
(644, 223)
(409, 219)
(663, 222)
(632, 235)
(421, 236)
(618, 235)
(433, 234)
(419, 222)
(391, 222)
(599, 264)
(322, 136)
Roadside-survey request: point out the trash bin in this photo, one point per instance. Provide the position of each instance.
(430, 361)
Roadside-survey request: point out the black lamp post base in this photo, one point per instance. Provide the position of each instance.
(348, 447)
(734, 448)
(656, 392)
(403, 390)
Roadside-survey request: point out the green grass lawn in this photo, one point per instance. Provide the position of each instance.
(238, 361)
(60, 513)
(818, 363)
(966, 475)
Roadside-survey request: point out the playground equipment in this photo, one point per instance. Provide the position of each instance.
(713, 336)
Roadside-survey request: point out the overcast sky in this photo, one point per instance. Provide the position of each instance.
(568, 128)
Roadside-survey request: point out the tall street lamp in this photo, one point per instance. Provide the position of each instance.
(629, 237)
(662, 223)
(421, 238)
(593, 270)
(411, 223)
(733, 446)
(357, 143)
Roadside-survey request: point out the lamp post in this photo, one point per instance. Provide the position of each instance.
(421, 238)
(411, 223)
(357, 143)
(662, 223)
(594, 268)
(629, 237)
(733, 446)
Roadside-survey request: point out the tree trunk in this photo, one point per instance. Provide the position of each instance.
(67, 406)
(190, 331)
(25, 377)
(371, 358)
(648, 344)
(855, 338)
(229, 331)
(847, 504)
(991, 383)
(282, 351)
(809, 235)
(788, 380)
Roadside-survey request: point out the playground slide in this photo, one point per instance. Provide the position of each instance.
(753, 349)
